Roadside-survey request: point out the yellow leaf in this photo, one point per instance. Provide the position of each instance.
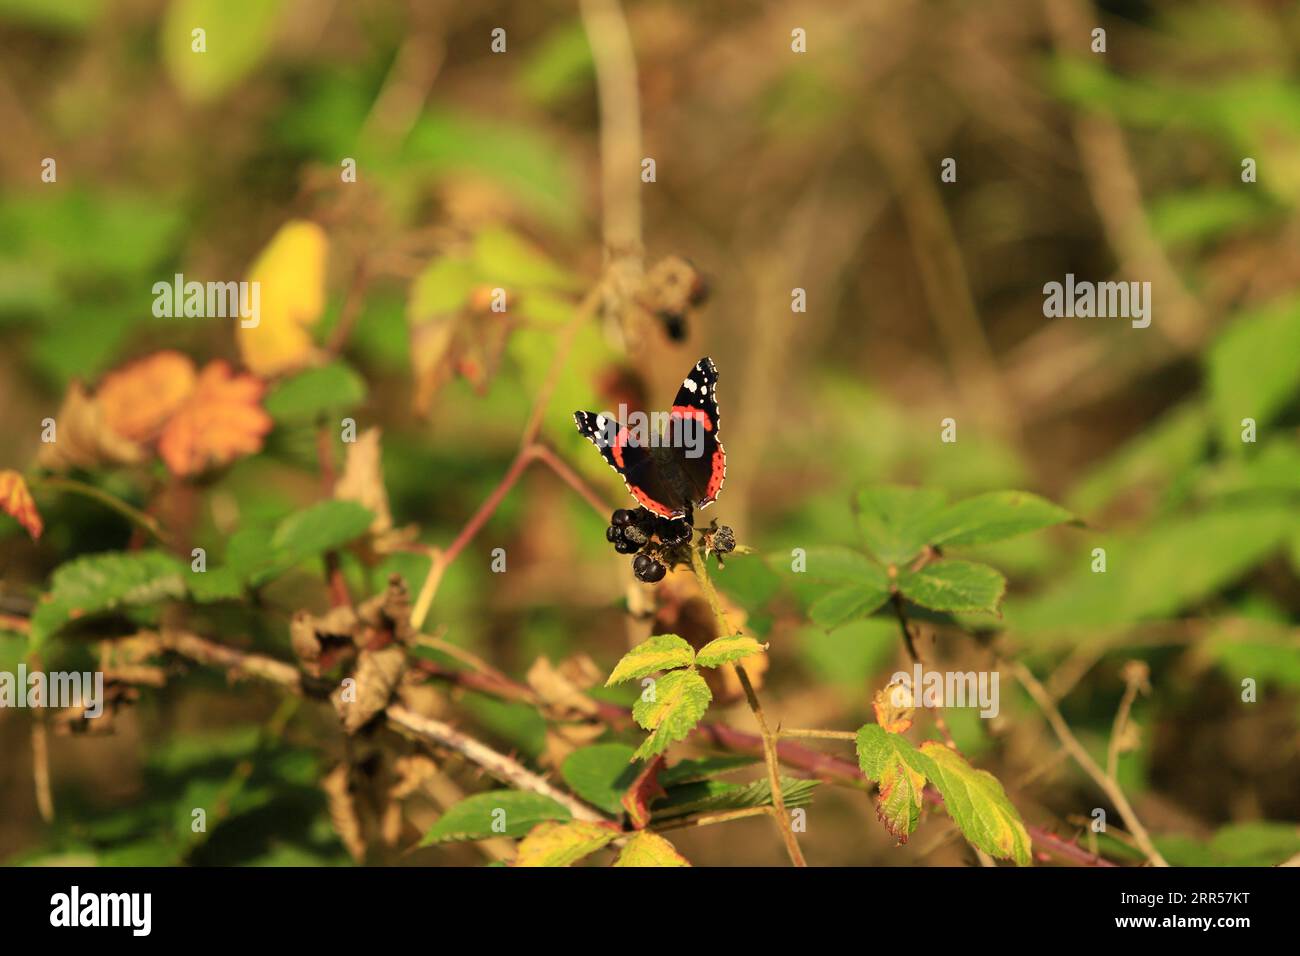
(563, 844)
(650, 849)
(16, 500)
(290, 277)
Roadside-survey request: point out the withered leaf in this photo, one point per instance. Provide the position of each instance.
(82, 439)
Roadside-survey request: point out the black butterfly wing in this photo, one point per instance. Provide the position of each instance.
(640, 467)
(693, 424)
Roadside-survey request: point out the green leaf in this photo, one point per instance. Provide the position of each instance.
(660, 653)
(978, 804)
(563, 844)
(895, 520)
(1259, 843)
(1254, 369)
(513, 812)
(993, 517)
(502, 258)
(716, 796)
(650, 849)
(838, 565)
(954, 586)
(692, 771)
(321, 527)
(679, 701)
(848, 604)
(309, 395)
(601, 774)
(723, 649)
(1157, 572)
(215, 584)
(103, 582)
(900, 771)
(238, 35)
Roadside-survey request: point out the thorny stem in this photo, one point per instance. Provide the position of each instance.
(818, 734)
(781, 815)
(820, 765)
(1106, 782)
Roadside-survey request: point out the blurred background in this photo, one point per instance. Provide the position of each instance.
(774, 170)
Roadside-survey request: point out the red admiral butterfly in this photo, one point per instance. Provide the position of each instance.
(670, 470)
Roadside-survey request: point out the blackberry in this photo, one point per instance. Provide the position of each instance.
(624, 546)
(612, 534)
(620, 517)
(647, 569)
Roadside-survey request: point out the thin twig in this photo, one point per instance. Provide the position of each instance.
(782, 815)
(1107, 783)
(1135, 677)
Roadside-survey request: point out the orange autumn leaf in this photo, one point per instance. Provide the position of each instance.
(138, 398)
(16, 501)
(221, 420)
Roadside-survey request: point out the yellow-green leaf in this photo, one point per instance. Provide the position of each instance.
(724, 649)
(976, 801)
(900, 771)
(657, 654)
(650, 849)
(563, 844)
(676, 703)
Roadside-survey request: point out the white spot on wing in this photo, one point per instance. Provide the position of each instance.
(689, 384)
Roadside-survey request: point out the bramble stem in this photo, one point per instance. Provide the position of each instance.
(780, 814)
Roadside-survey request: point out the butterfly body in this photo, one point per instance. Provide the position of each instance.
(679, 469)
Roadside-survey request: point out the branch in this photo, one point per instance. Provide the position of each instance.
(781, 814)
(1107, 783)
(399, 718)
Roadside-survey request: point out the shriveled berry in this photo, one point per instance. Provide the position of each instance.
(635, 534)
(724, 541)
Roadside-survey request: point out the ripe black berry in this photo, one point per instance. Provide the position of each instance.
(612, 533)
(647, 569)
(620, 517)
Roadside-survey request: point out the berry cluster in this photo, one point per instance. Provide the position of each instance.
(661, 543)
(651, 538)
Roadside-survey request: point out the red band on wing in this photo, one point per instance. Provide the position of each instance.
(686, 411)
(719, 473)
(617, 449)
(650, 503)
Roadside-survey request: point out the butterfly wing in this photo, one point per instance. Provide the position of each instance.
(640, 470)
(693, 421)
